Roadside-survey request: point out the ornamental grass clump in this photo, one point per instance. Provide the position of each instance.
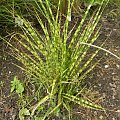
(55, 61)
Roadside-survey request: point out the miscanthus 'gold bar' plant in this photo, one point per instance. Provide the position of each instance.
(54, 65)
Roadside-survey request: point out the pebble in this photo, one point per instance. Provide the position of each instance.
(104, 95)
(99, 85)
(118, 111)
(112, 85)
(115, 78)
(95, 113)
(106, 66)
(101, 117)
(94, 86)
(118, 66)
(113, 73)
(113, 97)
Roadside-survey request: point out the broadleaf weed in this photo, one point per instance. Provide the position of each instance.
(17, 86)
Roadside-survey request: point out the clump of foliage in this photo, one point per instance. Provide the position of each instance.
(55, 61)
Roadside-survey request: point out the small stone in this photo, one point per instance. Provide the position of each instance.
(101, 117)
(94, 86)
(95, 112)
(118, 111)
(118, 66)
(112, 85)
(104, 95)
(113, 118)
(106, 66)
(113, 73)
(115, 78)
(113, 97)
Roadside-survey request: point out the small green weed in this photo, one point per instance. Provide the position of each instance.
(17, 86)
(1, 83)
(23, 112)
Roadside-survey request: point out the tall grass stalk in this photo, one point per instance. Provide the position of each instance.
(56, 67)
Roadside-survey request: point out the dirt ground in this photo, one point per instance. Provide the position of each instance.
(106, 75)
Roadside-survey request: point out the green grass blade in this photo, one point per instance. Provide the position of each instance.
(39, 103)
(51, 111)
(83, 102)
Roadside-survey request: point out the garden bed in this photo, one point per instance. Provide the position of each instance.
(104, 79)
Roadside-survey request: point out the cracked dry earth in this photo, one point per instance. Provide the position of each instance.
(106, 76)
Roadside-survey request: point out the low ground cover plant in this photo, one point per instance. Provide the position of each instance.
(55, 62)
